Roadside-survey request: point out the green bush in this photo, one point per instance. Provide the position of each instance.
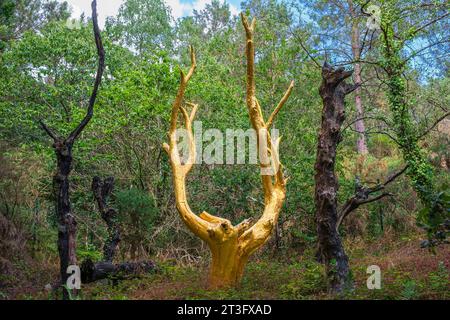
(137, 217)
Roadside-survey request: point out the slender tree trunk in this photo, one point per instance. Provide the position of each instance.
(359, 125)
(356, 47)
(331, 251)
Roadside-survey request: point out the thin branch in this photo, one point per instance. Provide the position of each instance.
(279, 106)
(98, 78)
(184, 79)
(309, 54)
(418, 52)
(439, 120)
(376, 198)
(48, 130)
(413, 33)
(362, 196)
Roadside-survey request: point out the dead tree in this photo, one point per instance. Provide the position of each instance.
(333, 91)
(329, 217)
(62, 147)
(106, 269)
(230, 246)
(102, 191)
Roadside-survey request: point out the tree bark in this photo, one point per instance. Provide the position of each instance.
(102, 190)
(227, 264)
(333, 91)
(90, 271)
(67, 225)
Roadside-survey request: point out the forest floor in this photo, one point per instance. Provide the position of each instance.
(407, 272)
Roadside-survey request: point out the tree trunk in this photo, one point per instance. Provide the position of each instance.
(356, 47)
(333, 91)
(359, 125)
(67, 225)
(227, 265)
(90, 271)
(102, 189)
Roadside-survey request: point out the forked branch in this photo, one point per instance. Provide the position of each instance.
(363, 196)
(230, 245)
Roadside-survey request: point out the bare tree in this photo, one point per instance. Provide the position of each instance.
(364, 195)
(230, 246)
(62, 146)
(333, 91)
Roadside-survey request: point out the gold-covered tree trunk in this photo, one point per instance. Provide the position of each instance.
(230, 246)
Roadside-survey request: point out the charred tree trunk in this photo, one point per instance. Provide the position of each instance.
(67, 226)
(63, 150)
(102, 190)
(333, 91)
(91, 271)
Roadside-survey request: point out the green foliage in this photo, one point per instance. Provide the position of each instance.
(435, 218)
(436, 210)
(46, 72)
(311, 282)
(137, 216)
(89, 252)
(439, 279)
(136, 204)
(409, 290)
(142, 25)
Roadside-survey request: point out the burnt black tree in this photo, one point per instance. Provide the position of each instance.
(62, 146)
(331, 252)
(102, 191)
(106, 269)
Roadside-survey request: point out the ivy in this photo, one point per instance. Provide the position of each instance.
(434, 218)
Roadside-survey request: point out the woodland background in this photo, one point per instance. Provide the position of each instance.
(47, 73)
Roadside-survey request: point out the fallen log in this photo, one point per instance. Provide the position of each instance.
(91, 272)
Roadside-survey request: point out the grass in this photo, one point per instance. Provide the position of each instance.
(408, 272)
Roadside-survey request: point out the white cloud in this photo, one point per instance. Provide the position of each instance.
(111, 7)
(105, 8)
(181, 9)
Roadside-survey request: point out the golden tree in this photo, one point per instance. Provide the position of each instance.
(230, 245)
